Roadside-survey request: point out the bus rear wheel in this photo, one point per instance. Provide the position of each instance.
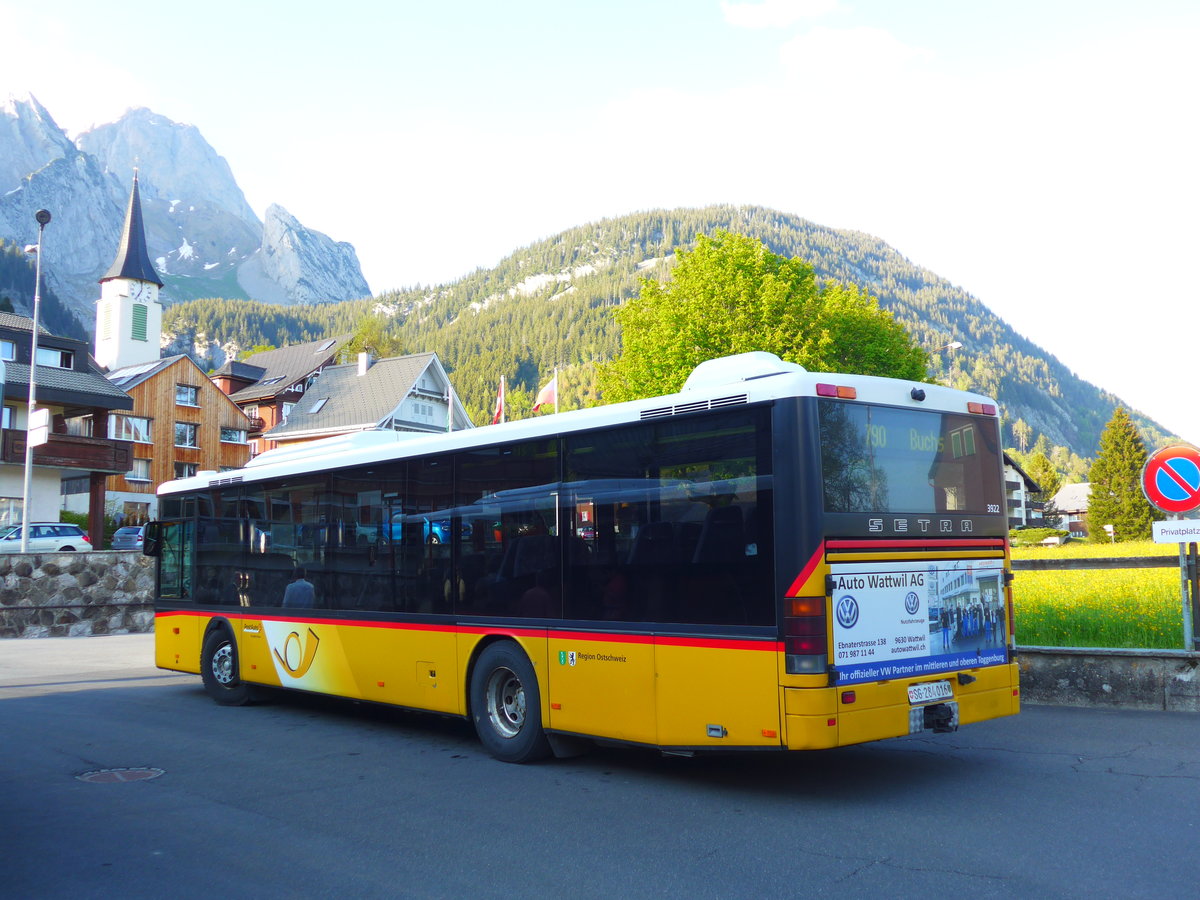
(506, 705)
(219, 669)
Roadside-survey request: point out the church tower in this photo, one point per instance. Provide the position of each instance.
(128, 314)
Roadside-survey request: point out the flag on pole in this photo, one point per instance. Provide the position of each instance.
(548, 394)
(498, 415)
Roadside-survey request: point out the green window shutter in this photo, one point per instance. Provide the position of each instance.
(139, 322)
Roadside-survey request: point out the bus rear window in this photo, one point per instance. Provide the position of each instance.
(883, 459)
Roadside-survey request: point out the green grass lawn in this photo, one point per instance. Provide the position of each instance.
(1130, 608)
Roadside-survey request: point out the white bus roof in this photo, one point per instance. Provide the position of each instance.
(726, 382)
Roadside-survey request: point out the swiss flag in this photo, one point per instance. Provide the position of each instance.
(547, 395)
(498, 416)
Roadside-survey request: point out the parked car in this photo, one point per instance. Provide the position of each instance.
(46, 537)
(129, 537)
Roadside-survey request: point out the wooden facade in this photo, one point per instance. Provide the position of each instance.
(156, 398)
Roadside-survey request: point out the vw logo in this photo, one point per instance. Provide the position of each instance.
(912, 603)
(847, 612)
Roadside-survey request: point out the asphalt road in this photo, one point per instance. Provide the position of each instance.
(310, 798)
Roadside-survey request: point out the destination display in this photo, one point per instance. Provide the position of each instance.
(898, 620)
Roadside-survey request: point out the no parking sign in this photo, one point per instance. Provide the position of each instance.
(1171, 479)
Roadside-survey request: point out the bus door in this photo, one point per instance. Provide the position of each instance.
(177, 645)
(601, 664)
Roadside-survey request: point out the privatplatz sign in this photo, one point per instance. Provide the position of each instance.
(1171, 479)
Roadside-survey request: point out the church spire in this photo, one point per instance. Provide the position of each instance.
(133, 259)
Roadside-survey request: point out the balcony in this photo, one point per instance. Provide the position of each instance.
(70, 451)
(256, 424)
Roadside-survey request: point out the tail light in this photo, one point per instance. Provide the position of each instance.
(804, 640)
(86, 538)
(844, 392)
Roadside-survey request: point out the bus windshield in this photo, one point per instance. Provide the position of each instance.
(890, 460)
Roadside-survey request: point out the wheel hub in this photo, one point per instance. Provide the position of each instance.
(506, 702)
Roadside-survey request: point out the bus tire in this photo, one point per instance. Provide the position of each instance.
(219, 669)
(506, 705)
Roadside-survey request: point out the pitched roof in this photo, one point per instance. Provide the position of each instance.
(20, 323)
(285, 366)
(66, 387)
(131, 376)
(133, 258)
(1073, 497)
(1030, 484)
(352, 401)
(244, 371)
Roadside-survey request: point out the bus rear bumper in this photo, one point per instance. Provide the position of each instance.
(820, 718)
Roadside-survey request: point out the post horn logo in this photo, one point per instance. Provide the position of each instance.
(298, 655)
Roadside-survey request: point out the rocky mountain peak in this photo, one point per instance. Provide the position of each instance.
(289, 259)
(175, 162)
(203, 237)
(29, 139)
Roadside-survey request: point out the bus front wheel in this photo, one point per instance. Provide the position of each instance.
(219, 669)
(506, 705)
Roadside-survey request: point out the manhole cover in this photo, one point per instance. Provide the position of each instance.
(115, 776)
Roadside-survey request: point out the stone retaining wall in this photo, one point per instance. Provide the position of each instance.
(1125, 679)
(70, 594)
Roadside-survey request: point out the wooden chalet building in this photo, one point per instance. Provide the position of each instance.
(181, 423)
(268, 385)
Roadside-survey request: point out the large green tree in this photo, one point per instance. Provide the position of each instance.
(732, 295)
(1116, 478)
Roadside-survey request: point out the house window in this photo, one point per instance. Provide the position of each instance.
(129, 428)
(250, 411)
(140, 471)
(233, 436)
(8, 351)
(319, 405)
(187, 395)
(10, 413)
(287, 411)
(11, 511)
(75, 486)
(185, 434)
(185, 469)
(58, 359)
(138, 332)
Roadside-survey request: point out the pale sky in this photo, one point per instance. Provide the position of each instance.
(1041, 154)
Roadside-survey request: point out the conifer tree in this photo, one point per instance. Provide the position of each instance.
(1116, 478)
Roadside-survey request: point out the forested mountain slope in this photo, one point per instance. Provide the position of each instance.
(550, 304)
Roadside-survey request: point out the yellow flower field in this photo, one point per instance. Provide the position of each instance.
(1133, 608)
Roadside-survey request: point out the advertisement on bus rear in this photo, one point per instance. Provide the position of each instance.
(900, 620)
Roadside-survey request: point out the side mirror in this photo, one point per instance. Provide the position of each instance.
(152, 539)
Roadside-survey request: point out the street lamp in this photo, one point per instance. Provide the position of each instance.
(43, 218)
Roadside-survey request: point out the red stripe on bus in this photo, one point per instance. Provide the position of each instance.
(805, 573)
(915, 543)
(511, 631)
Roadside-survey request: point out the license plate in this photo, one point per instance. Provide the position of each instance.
(929, 692)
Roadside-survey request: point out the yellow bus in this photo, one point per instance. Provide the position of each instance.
(769, 559)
